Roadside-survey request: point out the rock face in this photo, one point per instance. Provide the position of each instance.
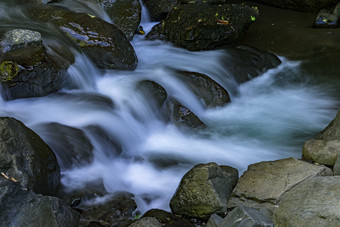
(103, 42)
(202, 26)
(27, 69)
(70, 145)
(264, 183)
(204, 190)
(158, 10)
(301, 5)
(314, 202)
(125, 14)
(21, 207)
(26, 158)
(325, 147)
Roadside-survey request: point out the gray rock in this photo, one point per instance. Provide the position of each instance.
(27, 158)
(19, 37)
(314, 202)
(159, 9)
(336, 168)
(321, 151)
(214, 221)
(146, 222)
(264, 183)
(203, 191)
(332, 131)
(168, 219)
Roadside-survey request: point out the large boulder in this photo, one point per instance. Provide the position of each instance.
(27, 67)
(202, 26)
(125, 14)
(103, 42)
(203, 191)
(264, 183)
(159, 9)
(27, 158)
(314, 202)
(22, 207)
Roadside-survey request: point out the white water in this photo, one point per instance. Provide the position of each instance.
(269, 118)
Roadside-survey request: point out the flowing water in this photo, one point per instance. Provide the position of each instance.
(268, 118)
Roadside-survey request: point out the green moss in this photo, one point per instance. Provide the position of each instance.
(8, 70)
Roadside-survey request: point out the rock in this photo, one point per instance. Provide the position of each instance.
(109, 209)
(203, 191)
(27, 68)
(332, 131)
(301, 5)
(264, 183)
(71, 146)
(321, 151)
(327, 18)
(103, 42)
(158, 10)
(206, 89)
(203, 26)
(125, 14)
(27, 158)
(168, 219)
(247, 217)
(153, 91)
(146, 222)
(336, 168)
(214, 221)
(21, 207)
(183, 117)
(314, 202)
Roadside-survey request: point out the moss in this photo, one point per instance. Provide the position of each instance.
(8, 70)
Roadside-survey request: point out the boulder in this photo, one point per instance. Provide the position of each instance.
(300, 5)
(146, 222)
(168, 219)
(153, 91)
(22, 207)
(27, 158)
(336, 168)
(27, 67)
(71, 146)
(328, 18)
(264, 183)
(125, 14)
(159, 9)
(202, 26)
(203, 191)
(332, 131)
(103, 42)
(314, 202)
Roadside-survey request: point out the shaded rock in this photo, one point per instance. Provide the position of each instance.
(301, 5)
(158, 10)
(336, 168)
(214, 221)
(146, 222)
(27, 158)
(264, 183)
(168, 219)
(313, 202)
(21, 207)
(321, 151)
(332, 131)
(27, 68)
(125, 14)
(203, 191)
(327, 18)
(153, 91)
(232, 174)
(103, 42)
(206, 89)
(71, 146)
(203, 26)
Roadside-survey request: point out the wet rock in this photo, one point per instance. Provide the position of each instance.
(327, 18)
(146, 222)
(27, 68)
(168, 219)
(336, 168)
(22, 207)
(183, 117)
(125, 14)
(203, 191)
(153, 91)
(264, 183)
(312, 202)
(206, 89)
(202, 26)
(301, 5)
(27, 158)
(103, 42)
(332, 131)
(71, 146)
(158, 10)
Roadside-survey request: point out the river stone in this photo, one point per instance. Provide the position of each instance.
(146, 222)
(332, 131)
(327, 18)
(206, 89)
(27, 158)
(22, 207)
(264, 183)
(336, 168)
(314, 202)
(184, 117)
(321, 151)
(125, 14)
(203, 191)
(19, 37)
(203, 26)
(103, 42)
(153, 90)
(168, 219)
(71, 146)
(158, 9)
